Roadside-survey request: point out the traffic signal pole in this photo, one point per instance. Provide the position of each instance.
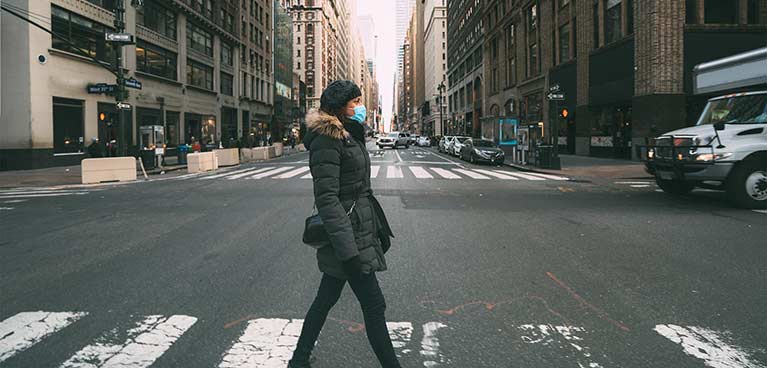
(120, 92)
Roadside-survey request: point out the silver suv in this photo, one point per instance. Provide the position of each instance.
(393, 140)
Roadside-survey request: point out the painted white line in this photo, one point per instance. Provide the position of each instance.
(434, 163)
(270, 172)
(226, 174)
(374, 171)
(393, 172)
(19, 332)
(640, 185)
(293, 173)
(400, 334)
(520, 175)
(497, 174)
(17, 192)
(420, 172)
(445, 173)
(708, 345)
(6, 208)
(266, 342)
(761, 211)
(562, 338)
(430, 345)
(471, 174)
(16, 201)
(549, 176)
(632, 182)
(144, 344)
(399, 159)
(41, 195)
(659, 190)
(254, 171)
(307, 176)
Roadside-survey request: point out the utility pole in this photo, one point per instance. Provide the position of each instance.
(120, 93)
(441, 88)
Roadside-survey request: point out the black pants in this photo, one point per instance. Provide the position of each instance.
(373, 307)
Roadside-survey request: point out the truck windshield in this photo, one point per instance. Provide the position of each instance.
(736, 110)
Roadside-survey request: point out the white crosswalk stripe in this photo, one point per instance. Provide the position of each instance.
(471, 174)
(499, 174)
(393, 172)
(293, 173)
(445, 173)
(420, 172)
(270, 172)
(523, 176)
(19, 332)
(550, 176)
(374, 171)
(225, 174)
(250, 172)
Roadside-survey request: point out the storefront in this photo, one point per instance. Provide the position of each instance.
(201, 128)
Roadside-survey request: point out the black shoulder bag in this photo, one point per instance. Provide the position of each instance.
(315, 235)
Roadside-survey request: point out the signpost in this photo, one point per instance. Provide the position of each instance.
(133, 83)
(101, 88)
(555, 95)
(123, 38)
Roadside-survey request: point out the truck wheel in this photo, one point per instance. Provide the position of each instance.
(675, 187)
(747, 185)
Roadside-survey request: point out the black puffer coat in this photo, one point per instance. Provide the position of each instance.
(340, 167)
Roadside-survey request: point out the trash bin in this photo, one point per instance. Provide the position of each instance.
(182, 151)
(148, 158)
(546, 158)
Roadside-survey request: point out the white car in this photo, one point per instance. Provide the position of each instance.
(455, 145)
(444, 143)
(423, 142)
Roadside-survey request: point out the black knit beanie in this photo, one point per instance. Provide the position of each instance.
(337, 94)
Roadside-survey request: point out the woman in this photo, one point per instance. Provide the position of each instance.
(340, 167)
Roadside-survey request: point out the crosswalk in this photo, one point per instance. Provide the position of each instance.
(387, 172)
(269, 342)
(10, 198)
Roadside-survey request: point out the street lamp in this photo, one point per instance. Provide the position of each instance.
(441, 88)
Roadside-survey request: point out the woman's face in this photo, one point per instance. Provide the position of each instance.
(348, 110)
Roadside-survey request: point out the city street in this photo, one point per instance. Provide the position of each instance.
(490, 267)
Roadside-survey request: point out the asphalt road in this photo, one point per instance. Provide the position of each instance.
(488, 269)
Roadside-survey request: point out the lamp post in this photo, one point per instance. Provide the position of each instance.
(441, 89)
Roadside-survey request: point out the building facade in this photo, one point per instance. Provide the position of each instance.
(203, 76)
(464, 63)
(624, 66)
(435, 66)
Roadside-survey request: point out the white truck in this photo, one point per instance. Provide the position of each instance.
(727, 148)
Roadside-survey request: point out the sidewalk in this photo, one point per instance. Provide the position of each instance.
(585, 166)
(51, 176)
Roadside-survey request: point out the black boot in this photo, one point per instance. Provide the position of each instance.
(304, 364)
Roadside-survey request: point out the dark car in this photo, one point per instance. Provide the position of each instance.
(481, 150)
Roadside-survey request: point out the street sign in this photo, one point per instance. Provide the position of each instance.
(556, 96)
(123, 106)
(133, 83)
(101, 88)
(120, 38)
(554, 88)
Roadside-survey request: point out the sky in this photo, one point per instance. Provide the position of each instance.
(382, 12)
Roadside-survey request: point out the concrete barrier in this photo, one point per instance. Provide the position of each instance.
(201, 161)
(228, 157)
(246, 155)
(97, 170)
(260, 153)
(278, 149)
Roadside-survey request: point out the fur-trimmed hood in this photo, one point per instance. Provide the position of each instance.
(325, 124)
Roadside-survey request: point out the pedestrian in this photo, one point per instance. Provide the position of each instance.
(358, 230)
(95, 150)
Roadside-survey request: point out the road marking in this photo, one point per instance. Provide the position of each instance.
(498, 174)
(41, 195)
(293, 173)
(434, 163)
(708, 346)
(640, 185)
(393, 172)
(6, 208)
(19, 332)
(520, 175)
(761, 211)
(400, 333)
(430, 345)
(445, 173)
(17, 192)
(420, 172)
(307, 176)
(254, 171)
(549, 176)
(471, 174)
(633, 182)
(399, 159)
(270, 172)
(225, 174)
(561, 337)
(374, 171)
(145, 343)
(15, 201)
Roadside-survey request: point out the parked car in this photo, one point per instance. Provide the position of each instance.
(444, 143)
(455, 146)
(481, 150)
(423, 142)
(393, 140)
(410, 138)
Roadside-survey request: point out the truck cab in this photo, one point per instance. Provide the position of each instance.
(727, 148)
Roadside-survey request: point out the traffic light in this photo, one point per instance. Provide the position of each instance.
(102, 117)
(564, 113)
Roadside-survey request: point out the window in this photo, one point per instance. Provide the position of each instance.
(199, 75)
(227, 84)
(494, 86)
(68, 120)
(629, 16)
(298, 52)
(199, 39)
(298, 42)
(157, 18)
(595, 26)
(753, 12)
(86, 35)
(511, 62)
(155, 60)
(227, 54)
(532, 18)
(612, 21)
(720, 12)
(106, 4)
(691, 7)
(298, 28)
(564, 43)
(532, 67)
(563, 3)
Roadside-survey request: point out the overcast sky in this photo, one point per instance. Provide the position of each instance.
(382, 12)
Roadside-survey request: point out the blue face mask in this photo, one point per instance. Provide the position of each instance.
(360, 113)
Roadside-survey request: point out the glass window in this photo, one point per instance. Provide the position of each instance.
(171, 122)
(532, 18)
(720, 11)
(106, 4)
(227, 84)
(86, 35)
(199, 39)
(155, 60)
(157, 18)
(595, 26)
(629, 16)
(227, 54)
(68, 131)
(753, 12)
(511, 64)
(691, 9)
(564, 43)
(612, 21)
(532, 67)
(199, 75)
